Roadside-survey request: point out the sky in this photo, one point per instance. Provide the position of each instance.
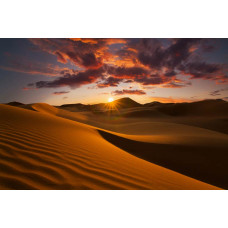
(89, 70)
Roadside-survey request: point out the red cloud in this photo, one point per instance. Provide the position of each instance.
(27, 88)
(86, 53)
(144, 61)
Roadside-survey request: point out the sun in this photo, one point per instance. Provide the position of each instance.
(110, 99)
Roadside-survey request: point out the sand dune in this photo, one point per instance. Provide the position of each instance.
(204, 162)
(39, 150)
(187, 149)
(144, 130)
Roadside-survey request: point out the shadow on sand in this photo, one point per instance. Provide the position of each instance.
(206, 164)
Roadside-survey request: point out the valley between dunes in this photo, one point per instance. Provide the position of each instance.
(43, 147)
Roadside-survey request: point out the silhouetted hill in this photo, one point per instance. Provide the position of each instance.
(74, 107)
(82, 107)
(15, 103)
(152, 103)
(119, 103)
(199, 108)
(131, 108)
(126, 102)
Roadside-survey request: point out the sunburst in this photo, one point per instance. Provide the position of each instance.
(110, 99)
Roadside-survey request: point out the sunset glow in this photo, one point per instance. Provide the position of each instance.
(110, 99)
(78, 70)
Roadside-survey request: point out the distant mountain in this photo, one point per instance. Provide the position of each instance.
(82, 107)
(120, 104)
(15, 103)
(151, 104)
(217, 107)
(198, 108)
(74, 107)
(126, 102)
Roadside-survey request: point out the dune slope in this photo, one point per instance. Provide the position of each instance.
(193, 151)
(203, 162)
(42, 151)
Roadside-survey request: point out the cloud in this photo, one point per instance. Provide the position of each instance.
(171, 99)
(108, 82)
(203, 70)
(218, 92)
(215, 93)
(145, 61)
(152, 80)
(177, 57)
(73, 80)
(23, 65)
(60, 92)
(27, 88)
(179, 84)
(86, 53)
(125, 91)
(127, 72)
(171, 56)
(170, 73)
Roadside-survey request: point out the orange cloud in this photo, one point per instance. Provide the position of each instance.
(108, 41)
(143, 61)
(171, 99)
(27, 88)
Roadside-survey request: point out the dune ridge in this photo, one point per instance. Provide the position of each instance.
(39, 150)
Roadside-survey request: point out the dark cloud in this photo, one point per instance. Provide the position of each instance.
(126, 72)
(87, 53)
(87, 60)
(203, 70)
(154, 79)
(128, 81)
(218, 92)
(170, 73)
(109, 82)
(177, 57)
(215, 93)
(170, 57)
(61, 92)
(131, 92)
(74, 80)
(145, 61)
(177, 84)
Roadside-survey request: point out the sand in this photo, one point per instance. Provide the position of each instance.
(48, 148)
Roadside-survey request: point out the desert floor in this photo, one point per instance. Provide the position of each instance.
(44, 147)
